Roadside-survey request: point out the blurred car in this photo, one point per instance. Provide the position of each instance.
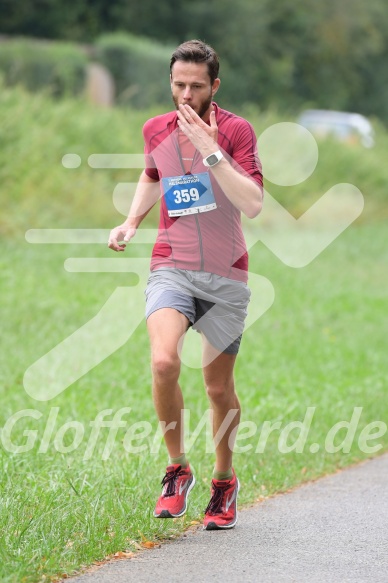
(344, 126)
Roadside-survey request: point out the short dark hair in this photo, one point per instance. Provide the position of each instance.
(196, 51)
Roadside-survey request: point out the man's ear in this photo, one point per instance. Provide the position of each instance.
(215, 86)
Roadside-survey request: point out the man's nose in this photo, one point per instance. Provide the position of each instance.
(187, 93)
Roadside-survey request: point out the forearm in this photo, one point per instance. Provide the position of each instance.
(146, 195)
(243, 192)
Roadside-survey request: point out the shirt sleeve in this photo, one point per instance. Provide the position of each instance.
(150, 166)
(245, 155)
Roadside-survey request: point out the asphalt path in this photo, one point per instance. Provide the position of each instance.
(334, 530)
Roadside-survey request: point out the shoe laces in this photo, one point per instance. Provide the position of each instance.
(215, 504)
(170, 479)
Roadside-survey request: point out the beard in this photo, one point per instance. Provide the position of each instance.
(201, 109)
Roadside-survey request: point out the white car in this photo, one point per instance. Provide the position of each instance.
(344, 126)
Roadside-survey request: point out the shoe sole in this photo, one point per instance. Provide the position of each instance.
(167, 513)
(214, 526)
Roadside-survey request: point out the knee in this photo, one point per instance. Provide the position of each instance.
(165, 366)
(218, 393)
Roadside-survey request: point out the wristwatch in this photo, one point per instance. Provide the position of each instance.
(213, 159)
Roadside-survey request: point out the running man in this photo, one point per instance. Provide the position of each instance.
(202, 162)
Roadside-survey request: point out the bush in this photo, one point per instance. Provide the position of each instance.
(57, 67)
(140, 68)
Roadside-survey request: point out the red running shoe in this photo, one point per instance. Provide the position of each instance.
(177, 484)
(221, 512)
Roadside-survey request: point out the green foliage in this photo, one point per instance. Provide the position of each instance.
(139, 67)
(339, 64)
(53, 19)
(292, 53)
(58, 68)
(330, 54)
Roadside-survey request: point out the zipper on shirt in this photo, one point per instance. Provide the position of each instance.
(199, 241)
(193, 160)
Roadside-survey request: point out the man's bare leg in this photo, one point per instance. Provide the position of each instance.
(219, 382)
(165, 328)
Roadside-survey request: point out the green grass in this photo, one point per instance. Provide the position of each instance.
(322, 344)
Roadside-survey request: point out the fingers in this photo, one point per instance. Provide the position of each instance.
(183, 120)
(201, 135)
(189, 122)
(186, 110)
(114, 245)
(188, 114)
(117, 235)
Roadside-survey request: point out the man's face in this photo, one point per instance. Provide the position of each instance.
(190, 84)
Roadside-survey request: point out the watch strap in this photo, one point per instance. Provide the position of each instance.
(213, 159)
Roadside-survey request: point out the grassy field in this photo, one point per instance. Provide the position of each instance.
(320, 349)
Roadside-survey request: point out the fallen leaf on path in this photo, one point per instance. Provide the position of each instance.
(149, 544)
(123, 555)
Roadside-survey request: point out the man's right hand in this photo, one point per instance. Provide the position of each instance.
(121, 233)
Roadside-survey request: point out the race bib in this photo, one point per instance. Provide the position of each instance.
(188, 194)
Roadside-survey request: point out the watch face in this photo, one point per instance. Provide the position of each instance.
(212, 159)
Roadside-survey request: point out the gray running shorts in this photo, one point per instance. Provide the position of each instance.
(214, 305)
